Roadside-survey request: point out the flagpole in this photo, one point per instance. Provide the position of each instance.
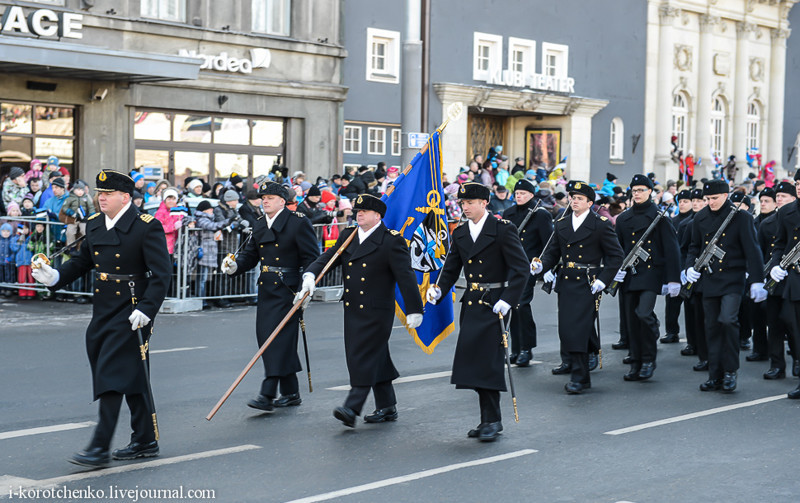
(453, 112)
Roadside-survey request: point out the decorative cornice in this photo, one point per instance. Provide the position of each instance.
(667, 13)
(743, 28)
(708, 22)
(780, 33)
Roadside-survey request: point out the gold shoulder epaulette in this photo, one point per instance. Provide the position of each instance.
(505, 221)
(603, 218)
(394, 232)
(93, 216)
(298, 214)
(146, 217)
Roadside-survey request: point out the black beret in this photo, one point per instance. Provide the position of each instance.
(109, 180)
(313, 191)
(526, 185)
(697, 193)
(768, 192)
(714, 187)
(274, 189)
(684, 194)
(741, 197)
(785, 188)
(370, 202)
(642, 180)
(579, 187)
(203, 206)
(472, 190)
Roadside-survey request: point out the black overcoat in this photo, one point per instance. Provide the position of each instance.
(786, 238)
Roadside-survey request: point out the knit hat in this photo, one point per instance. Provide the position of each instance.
(15, 172)
(136, 176)
(170, 192)
(313, 191)
(203, 206)
(53, 160)
(58, 182)
(35, 162)
(137, 195)
(191, 185)
(611, 177)
(63, 171)
(235, 178)
(230, 195)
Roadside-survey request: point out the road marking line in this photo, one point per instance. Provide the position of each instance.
(412, 476)
(45, 429)
(56, 481)
(173, 350)
(694, 415)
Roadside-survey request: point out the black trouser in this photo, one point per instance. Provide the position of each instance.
(689, 321)
(758, 320)
(642, 326)
(722, 333)
(745, 318)
(579, 364)
(777, 314)
(289, 386)
(383, 392)
(791, 311)
(623, 324)
(141, 420)
(700, 337)
(672, 311)
(523, 328)
(489, 400)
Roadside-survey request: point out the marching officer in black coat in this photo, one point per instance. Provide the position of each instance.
(374, 262)
(693, 306)
(590, 253)
(777, 328)
(496, 269)
(672, 308)
(282, 243)
(533, 235)
(127, 252)
(724, 284)
(643, 283)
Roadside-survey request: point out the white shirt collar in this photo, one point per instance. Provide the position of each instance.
(362, 235)
(475, 229)
(111, 222)
(271, 221)
(578, 220)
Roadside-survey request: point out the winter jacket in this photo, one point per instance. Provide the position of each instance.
(73, 203)
(210, 226)
(53, 206)
(171, 224)
(314, 212)
(19, 247)
(13, 193)
(608, 188)
(497, 205)
(6, 254)
(230, 236)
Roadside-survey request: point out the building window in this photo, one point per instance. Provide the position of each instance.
(36, 131)
(487, 55)
(396, 135)
(555, 60)
(167, 10)
(616, 144)
(521, 55)
(352, 139)
(377, 141)
(718, 122)
(680, 114)
(383, 56)
(753, 127)
(273, 17)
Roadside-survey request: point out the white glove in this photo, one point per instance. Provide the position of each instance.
(501, 307)
(778, 273)
(138, 319)
(229, 265)
(308, 284)
(45, 274)
(757, 292)
(664, 290)
(620, 276)
(536, 267)
(597, 287)
(298, 296)
(37, 261)
(691, 275)
(414, 320)
(549, 277)
(433, 294)
(683, 278)
(674, 289)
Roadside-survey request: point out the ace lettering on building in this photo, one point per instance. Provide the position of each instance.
(41, 22)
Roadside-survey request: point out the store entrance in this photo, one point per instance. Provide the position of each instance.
(485, 131)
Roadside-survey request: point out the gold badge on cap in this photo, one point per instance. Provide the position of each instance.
(359, 200)
(102, 177)
(578, 185)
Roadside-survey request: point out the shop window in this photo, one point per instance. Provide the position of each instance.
(719, 120)
(55, 121)
(383, 56)
(396, 145)
(16, 118)
(226, 165)
(617, 139)
(680, 114)
(555, 60)
(151, 126)
(272, 17)
(753, 127)
(262, 164)
(167, 10)
(194, 128)
(232, 131)
(521, 55)
(377, 141)
(268, 133)
(153, 164)
(487, 54)
(30, 131)
(352, 139)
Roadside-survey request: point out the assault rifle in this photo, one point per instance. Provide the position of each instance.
(637, 253)
(788, 261)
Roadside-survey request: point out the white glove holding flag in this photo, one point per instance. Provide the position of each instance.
(758, 293)
(138, 319)
(308, 286)
(778, 273)
(433, 294)
(536, 267)
(45, 274)
(414, 320)
(691, 275)
(501, 307)
(229, 265)
(620, 276)
(597, 287)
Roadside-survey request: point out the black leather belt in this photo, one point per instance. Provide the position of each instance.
(105, 276)
(279, 270)
(486, 286)
(578, 265)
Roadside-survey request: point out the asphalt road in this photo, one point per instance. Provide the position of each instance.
(560, 451)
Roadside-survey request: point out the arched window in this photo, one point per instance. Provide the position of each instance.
(617, 140)
(680, 115)
(753, 121)
(719, 119)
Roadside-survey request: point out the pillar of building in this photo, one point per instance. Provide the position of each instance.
(705, 86)
(740, 94)
(662, 161)
(777, 77)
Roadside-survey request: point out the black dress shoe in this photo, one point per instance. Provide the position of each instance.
(261, 402)
(513, 358)
(80, 299)
(701, 366)
(593, 359)
(346, 415)
(795, 393)
(136, 450)
(476, 432)
(711, 385)
(524, 358)
(288, 400)
(627, 360)
(561, 370)
(382, 415)
(688, 350)
(756, 357)
(490, 431)
(632, 374)
(670, 339)
(774, 373)
(576, 388)
(647, 370)
(620, 345)
(729, 382)
(745, 344)
(796, 368)
(93, 457)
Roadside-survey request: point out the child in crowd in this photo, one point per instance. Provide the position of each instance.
(38, 243)
(7, 265)
(22, 257)
(75, 210)
(28, 209)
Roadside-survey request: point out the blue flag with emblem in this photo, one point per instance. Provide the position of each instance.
(416, 209)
